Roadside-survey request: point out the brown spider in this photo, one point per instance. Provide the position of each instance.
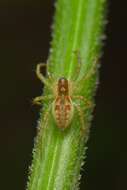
(63, 97)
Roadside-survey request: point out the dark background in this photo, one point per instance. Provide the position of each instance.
(25, 34)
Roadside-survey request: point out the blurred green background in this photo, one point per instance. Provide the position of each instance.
(25, 35)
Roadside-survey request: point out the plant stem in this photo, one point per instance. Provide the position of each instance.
(58, 155)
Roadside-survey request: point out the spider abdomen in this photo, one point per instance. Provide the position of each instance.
(63, 111)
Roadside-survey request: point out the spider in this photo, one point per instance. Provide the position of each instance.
(63, 96)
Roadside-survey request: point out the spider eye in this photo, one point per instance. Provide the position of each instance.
(62, 80)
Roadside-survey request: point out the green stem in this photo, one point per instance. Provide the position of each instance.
(58, 155)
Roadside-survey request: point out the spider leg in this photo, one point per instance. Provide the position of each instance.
(50, 75)
(90, 73)
(85, 100)
(43, 122)
(47, 113)
(77, 54)
(38, 100)
(78, 57)
(41, 76)
(84, 129)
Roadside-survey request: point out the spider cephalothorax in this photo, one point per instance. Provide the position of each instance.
(62, 88)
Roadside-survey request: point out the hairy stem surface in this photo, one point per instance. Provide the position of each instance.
(58, 155)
